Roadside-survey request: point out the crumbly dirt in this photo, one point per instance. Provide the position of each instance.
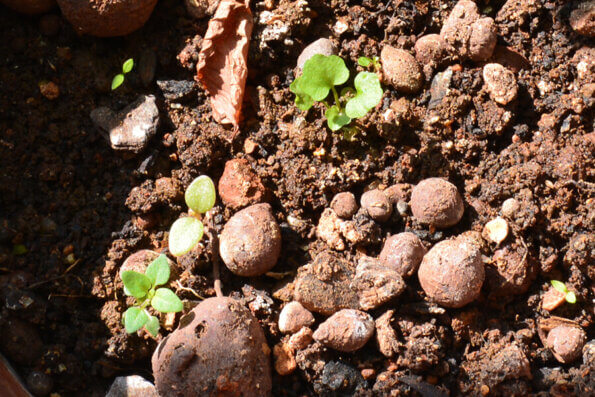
(72, 209)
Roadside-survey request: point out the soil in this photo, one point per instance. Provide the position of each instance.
(72, 209)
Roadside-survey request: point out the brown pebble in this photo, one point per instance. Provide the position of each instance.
(483, 39)
(347, 330)
(377, 205)
(401, 70)
(430, 50)
(386, 336)
(566, 342)
(402, 252)
(344, 205)
(250, 243)
(49, 90)
(107, 18)
(436, 202)
(552, 299)
(368, 373)
(452, 272)
(485, 390)
(321, 46)
(239, 185)
(582, 19)
(500, 83)
(284, 357)
(300, 339)
(293, 317)
(329, 230)
(510, 207)
(376, 284)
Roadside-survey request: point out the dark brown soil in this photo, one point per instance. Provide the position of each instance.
(80, 208)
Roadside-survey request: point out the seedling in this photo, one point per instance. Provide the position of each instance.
(366, 62)
(143, 287)
(186, 232)
(560, 286)
(322, 75)
(119, 78)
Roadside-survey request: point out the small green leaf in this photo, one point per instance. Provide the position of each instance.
(184, 234)
(336, 118)
(134, 319)
(560, 286)
(571, 297)
(128, 65)
(201, 194)
(364, 61)
(152, 326)
(166, 301)
(158, 271)
(369, 94)
(135, 284)
(320, 74)
(302, 100)
(117, 81)
(19, 249)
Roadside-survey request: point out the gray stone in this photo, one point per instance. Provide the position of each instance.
(131, 128)
(321, 46)
(132, 386)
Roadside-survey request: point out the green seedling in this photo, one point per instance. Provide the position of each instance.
(186, 232)
(143, 287)
(119, 78)
(322, 75)
(366, 62)
(560, 286)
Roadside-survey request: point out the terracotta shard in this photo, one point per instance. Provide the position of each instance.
(222, 62)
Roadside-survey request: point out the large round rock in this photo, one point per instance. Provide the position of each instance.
(452, 272)
(107, 18)
(402, 252)
(437, 202)
(251, 241)
(219, 349)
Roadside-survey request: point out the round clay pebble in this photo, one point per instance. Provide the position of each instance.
(321, 46)
(483, 39)
(239, 185)
(218, 349)
(347, 330)
(452, 272)
(250, 243)
(293, 317)
(377, 205)
(402, 252)
(344, 205)
(500, 83)
(107, 18)
(436, 202)
(566, 342)
(510, 207)
(430, 50)
(401, 70)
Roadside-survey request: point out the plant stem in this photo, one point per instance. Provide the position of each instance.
(214, 248)
(336, 95)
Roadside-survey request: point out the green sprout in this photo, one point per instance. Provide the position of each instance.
(119, 78)
(367, 62)
(321, 74)
(186, 232)
(143, 287)
(560, 286)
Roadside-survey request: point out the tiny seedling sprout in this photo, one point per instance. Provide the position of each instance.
(143, 287)
(119, 78)
(367, 62)
(560, 286)
(186, 232)
(322, 75)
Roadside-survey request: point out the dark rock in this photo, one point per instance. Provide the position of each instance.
(176, 90)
